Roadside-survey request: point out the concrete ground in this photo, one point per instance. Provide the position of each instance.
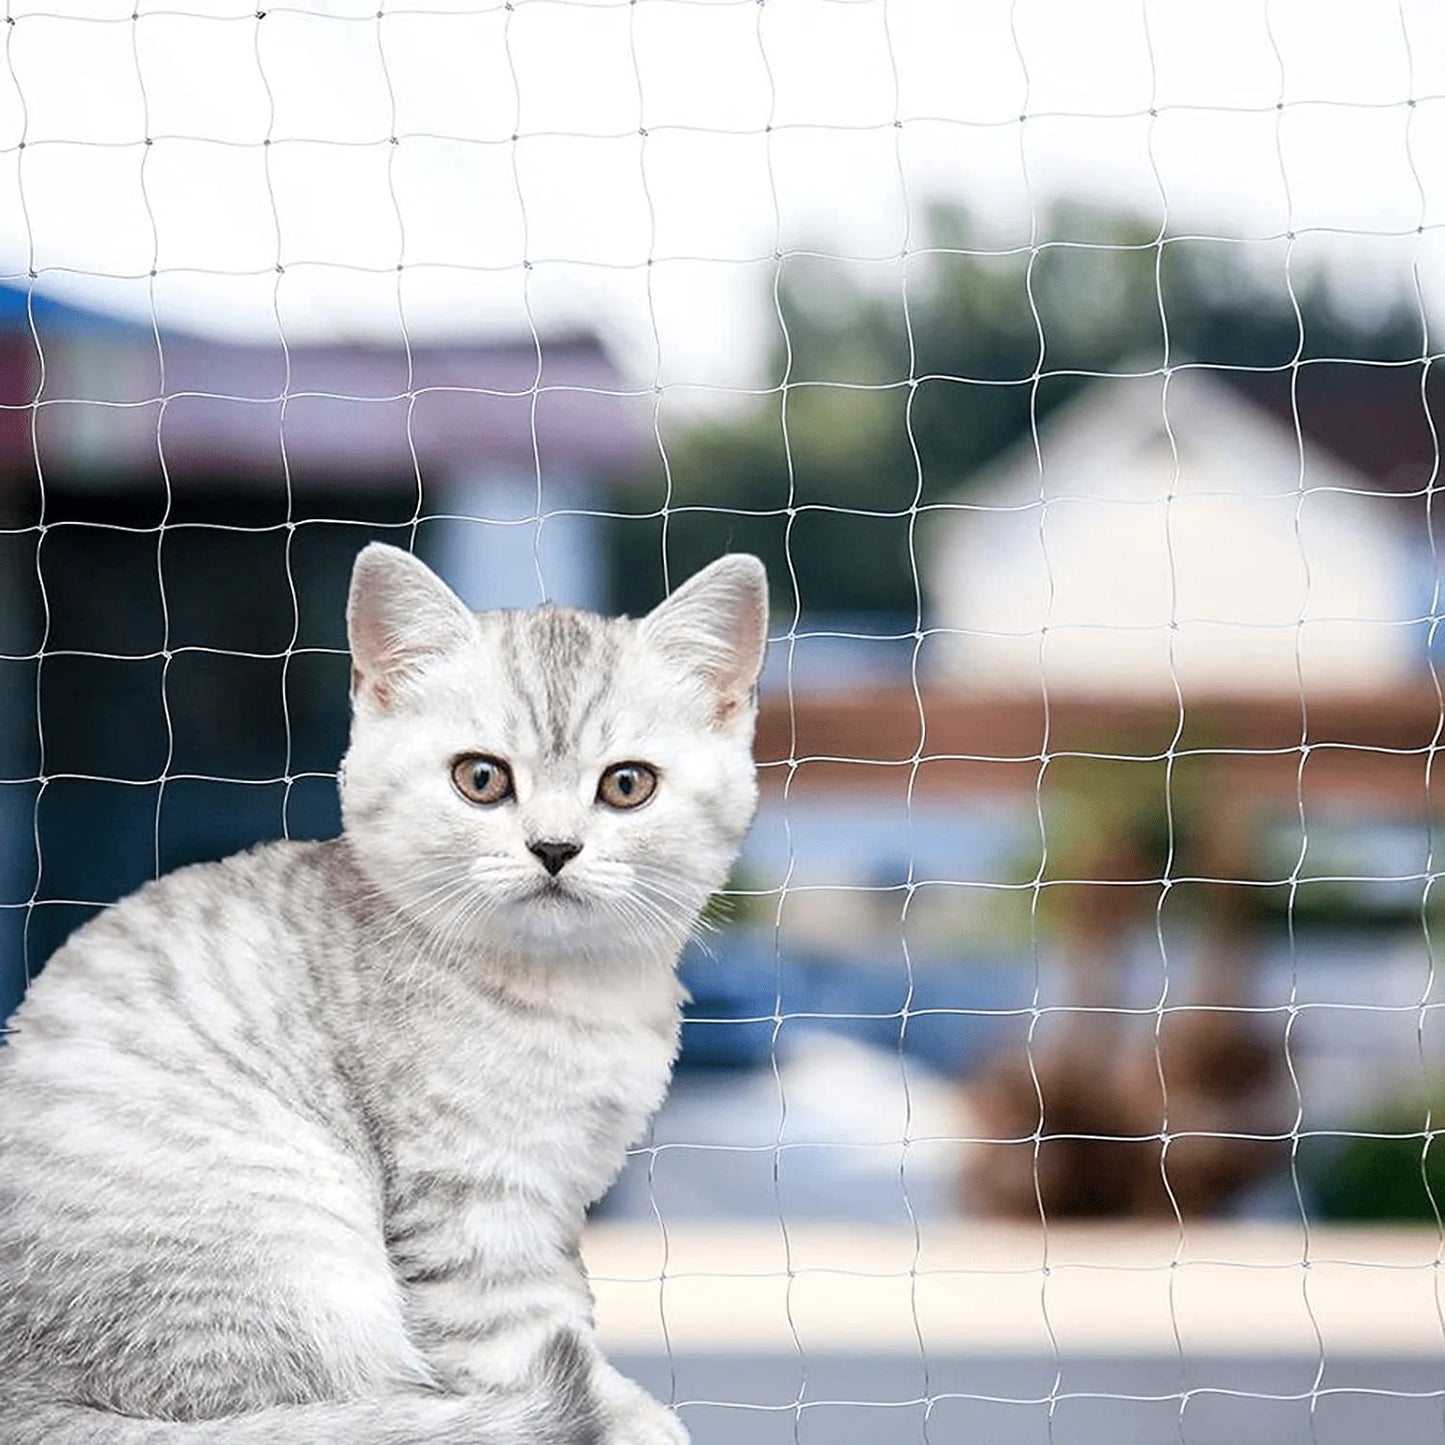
(984, 1334)
(879, 1399)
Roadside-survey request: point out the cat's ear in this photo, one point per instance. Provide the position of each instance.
(716, 625)
(400, 616)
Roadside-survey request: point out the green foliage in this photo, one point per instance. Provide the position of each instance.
(1124, 806)
(873, 410)
(1384, 1173)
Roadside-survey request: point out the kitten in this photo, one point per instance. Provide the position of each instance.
(295, 1148)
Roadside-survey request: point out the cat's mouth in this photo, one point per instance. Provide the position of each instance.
(552, 890)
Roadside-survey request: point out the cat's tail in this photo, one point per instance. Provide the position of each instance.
(560, 1412)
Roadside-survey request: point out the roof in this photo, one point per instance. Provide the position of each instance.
(107, 392)
(1381, 419)
(1193, 408)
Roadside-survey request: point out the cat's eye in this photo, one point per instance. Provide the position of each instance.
(626, 785)
(482, 779)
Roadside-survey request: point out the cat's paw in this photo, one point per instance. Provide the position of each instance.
(632, 1417)
(645, 1423)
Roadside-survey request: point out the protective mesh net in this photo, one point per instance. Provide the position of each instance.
(1071, 365)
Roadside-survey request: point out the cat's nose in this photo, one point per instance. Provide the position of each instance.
(554, 855)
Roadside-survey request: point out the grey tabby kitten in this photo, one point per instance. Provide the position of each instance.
(295, 1148)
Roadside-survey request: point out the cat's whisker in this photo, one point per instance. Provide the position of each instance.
(637, 909)
(655, 891)
(437, 943)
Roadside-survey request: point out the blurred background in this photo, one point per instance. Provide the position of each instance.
(1062, 1061)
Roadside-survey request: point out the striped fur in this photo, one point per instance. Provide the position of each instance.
(297, 1146)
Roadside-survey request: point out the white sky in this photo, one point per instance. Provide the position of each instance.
(708, 194)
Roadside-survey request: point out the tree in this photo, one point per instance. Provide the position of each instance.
(874, 410)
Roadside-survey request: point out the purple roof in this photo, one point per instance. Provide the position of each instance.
(106, 393)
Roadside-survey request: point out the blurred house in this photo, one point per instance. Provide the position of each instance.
(178, 517)
(1184, 532)
(499, 433)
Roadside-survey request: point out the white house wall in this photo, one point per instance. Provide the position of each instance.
(1116, 571)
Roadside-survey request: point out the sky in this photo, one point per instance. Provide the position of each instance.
(462, 170)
